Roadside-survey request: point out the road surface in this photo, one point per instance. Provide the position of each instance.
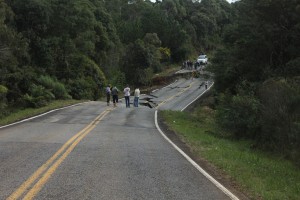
(92, 151)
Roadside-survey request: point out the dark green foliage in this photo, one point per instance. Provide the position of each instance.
(240, 113)
(280, 115)
(262, 48)
(85, 72)
(82, 89)
(118, 79)
(3, 92)
(38, 96)
(57, 88)
(142, 58)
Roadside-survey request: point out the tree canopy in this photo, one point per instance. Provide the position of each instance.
(257, 74)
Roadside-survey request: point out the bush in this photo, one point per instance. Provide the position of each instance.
(3, 92)
(39, 96)
(118, 79)
(239, 114)
(145, 76)
(60, 91)
(165, 54)
(88, 80)
(82, 89)
(280, 115)
(57, 88)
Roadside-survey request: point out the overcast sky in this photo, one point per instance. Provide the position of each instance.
(230, 1)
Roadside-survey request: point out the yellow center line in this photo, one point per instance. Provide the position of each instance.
(74, 140)
(172, 97)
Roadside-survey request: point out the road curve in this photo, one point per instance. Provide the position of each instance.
(91, 151)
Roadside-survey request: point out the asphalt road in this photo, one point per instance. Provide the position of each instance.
(92, 151)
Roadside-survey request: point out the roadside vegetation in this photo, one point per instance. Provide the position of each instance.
(257, 76)
(259, 174)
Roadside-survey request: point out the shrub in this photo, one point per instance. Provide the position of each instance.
(118, 79)
(57, 88)
(39, 96)
(82, 89)
(60, 91)
(239, 114)
(165, 54)
(280, 115)
(47, 81)
(145, 76)
(88, 80)
(3, 92)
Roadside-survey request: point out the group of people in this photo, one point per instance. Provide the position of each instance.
(190, 65)
(187, 65)
(114, 92)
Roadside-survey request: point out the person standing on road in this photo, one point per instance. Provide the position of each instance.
(206, 84)
(136, 97)
(114, 93)
(108, 92)
(127, 96)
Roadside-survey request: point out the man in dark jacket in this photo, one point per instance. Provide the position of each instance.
(114, 93)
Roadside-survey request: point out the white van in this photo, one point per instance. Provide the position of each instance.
(202, 59)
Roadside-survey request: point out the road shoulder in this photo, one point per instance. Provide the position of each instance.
(213, 171)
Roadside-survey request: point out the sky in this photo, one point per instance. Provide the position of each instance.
(230, 1)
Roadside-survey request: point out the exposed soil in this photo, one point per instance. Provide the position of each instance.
(161, 81)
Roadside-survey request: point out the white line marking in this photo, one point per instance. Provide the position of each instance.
(197, 97)
(24, 120)
(209, 177)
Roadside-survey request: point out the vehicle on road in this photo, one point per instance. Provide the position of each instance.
(202, 59)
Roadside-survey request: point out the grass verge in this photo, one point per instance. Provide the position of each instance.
(30, 112)
(261, 175)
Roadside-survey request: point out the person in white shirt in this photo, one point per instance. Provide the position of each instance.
(127, 96)
(136, 97)
(108, 92)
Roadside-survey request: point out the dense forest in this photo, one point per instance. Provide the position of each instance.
(257, 74)
(58, 49)
(62, 49)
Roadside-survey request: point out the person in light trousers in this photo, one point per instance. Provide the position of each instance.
(127, 96)
(136, 97)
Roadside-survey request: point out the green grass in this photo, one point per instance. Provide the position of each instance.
(29, 112)
(260, 174)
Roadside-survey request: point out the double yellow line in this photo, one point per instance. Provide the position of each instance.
(172, 97)
(43, 174)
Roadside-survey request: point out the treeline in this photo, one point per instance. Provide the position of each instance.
(61, 49)
(257, 75)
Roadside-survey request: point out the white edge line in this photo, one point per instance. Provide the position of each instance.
(209, 177)
(27, 119)
(197, 97)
